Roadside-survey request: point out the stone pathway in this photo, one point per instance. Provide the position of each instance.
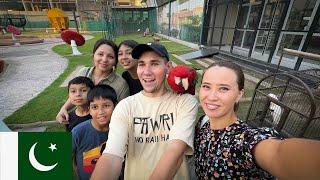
(71, 76)
(30, 69)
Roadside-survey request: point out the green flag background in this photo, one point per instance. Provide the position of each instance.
(45, 156)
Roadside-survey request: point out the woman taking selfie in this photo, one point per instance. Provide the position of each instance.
(226, 147)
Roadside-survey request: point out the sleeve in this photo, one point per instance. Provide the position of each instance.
(124, 92)
(118, 131)
(184, 126)
(256, 135)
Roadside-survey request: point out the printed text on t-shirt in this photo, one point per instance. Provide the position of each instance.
(146, 125)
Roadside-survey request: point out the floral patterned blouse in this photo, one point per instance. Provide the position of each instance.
(227, 153)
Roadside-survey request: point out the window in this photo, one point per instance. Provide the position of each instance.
(300, 15)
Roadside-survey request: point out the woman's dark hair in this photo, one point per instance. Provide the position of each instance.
(102, 91)
(109, 43)
(129, 43)
(236, 69)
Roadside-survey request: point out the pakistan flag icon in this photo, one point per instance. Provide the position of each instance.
(45, 156)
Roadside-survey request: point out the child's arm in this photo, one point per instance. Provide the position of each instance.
(63, 116)
(289, 159)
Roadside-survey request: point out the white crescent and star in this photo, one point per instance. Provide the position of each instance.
(52, 147)
(34, 162)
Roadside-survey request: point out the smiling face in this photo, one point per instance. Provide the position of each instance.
(104, 58)
(219, 91)
(78, 94)
(125, 58)
(151, 71)
(101, 110)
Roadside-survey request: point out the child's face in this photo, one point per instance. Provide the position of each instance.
(78, 94)
(101, 110)
(125, 58)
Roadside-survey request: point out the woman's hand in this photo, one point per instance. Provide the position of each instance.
(63, 116)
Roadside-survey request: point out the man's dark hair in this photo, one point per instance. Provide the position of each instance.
(102, 91)
(81, 80)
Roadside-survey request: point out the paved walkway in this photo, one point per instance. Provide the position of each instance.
(31, 68)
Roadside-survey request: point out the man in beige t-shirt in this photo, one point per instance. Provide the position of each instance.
(153, 129)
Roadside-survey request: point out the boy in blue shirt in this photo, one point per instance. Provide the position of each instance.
(89, 137)
(78, 89)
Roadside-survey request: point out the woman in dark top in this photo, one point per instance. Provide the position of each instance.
(130, 65)
(226, 147)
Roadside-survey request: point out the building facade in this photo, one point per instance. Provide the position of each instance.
(37, 5)
(92, 14)
(260, 29)
(181, 19)
(255, 30)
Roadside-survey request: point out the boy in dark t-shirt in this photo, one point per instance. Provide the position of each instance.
(78, 89)
(89, 137)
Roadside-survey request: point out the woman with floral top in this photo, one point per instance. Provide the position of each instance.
(227, 148)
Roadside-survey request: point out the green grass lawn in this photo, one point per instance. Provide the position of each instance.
(46, 105)
(249, 87)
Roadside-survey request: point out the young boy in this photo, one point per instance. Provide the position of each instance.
(78, 89)
(89, 137)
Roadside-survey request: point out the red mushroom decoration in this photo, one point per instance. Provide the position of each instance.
(74, 39)
(14, 31)
(182, 79)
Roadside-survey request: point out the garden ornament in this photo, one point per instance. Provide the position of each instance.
(74, 39)
(14, 31)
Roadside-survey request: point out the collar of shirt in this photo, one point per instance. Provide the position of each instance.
(110, 78)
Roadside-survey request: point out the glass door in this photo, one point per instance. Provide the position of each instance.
(313, 47)
(247, 22)
(268, 27)
(295, 29)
